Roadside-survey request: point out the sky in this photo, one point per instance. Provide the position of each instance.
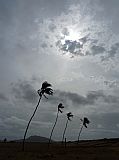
(72, 44)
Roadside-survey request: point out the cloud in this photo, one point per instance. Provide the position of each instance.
(111, 53)
(3, 97)
(106, 120)
(65, 32)
(73, 47)
(44, 45)
(78, 100)
(113, 50)
(79, 47)
(95, 50)
(52, 27)
(23, 90)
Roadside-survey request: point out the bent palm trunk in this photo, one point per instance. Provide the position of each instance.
(29, 123)
(64, 131)
(80, 133)
(53, 129)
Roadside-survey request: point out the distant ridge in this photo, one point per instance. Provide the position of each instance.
(35, 139)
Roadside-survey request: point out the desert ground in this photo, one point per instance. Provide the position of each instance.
(105, 149)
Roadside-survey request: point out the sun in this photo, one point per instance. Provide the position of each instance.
(71, 35)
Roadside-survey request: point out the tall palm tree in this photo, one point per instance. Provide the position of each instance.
(85, 121)
(59, 110)
(45, 89)
(69, 115)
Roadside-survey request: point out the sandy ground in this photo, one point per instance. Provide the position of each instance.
(86, 150)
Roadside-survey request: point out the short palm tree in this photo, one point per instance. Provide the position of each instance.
(85, 121)
(45, 89)
(59, 110)
(69, 116)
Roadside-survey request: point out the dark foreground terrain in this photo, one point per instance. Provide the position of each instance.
(107, 149)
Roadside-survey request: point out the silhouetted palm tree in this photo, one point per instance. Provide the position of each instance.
(85, 121)
(45, 89)
(59, 110)
(69, 115)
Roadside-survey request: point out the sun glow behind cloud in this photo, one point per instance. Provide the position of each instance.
(74, 36)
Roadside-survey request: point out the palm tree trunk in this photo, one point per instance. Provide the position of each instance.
(64, 131)
(53, 129)
(29, 123)
(80, 133)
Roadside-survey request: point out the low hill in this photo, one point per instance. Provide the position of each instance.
(36, 139)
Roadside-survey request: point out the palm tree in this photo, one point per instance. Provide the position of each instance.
(85, 121)
(45, 89)
(59, 110)
(69, 115)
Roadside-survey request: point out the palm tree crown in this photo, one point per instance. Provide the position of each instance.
(69, 116)
(85, 121)
(45, 89)
(60, 107)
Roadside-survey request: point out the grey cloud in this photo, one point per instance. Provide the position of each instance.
(95, 50)
(65, 32)
(76, 99)
(3, 97)
(111, 53)
(111, 99)
(107, 120)
(84, 39)
(73, 47)
(44, 45)
(111, 84)
(24, 90)
(113, 50)
(52, 27)
(76, 47)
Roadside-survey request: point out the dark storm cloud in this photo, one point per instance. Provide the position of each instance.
(24, 91)
(76, 99)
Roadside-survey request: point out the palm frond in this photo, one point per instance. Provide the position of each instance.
(39, 92)
(59, 110)
(60, 107)
(45, 85)
(85, 121)
(45, 89)
(48, 91)
(69, 116)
